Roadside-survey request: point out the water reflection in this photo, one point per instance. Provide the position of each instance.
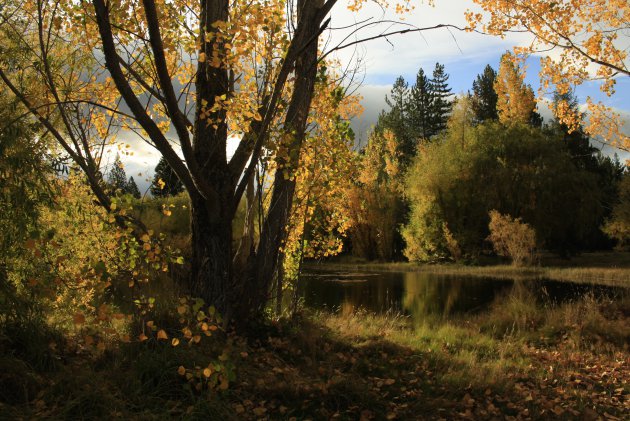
(424, 295)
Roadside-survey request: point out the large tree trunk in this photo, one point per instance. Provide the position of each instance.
(211, 266)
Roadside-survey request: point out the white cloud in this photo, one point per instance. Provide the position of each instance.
(404, 54)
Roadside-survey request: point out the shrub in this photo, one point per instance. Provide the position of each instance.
(512, 238)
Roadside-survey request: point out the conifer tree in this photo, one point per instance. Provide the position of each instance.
(420, 105)
(441, 106)
(395, 120)
(484, 97)
(165, 181)
(577, 142)
(132, 188)
(117, 177)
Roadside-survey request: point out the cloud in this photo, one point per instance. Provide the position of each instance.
(405, 54)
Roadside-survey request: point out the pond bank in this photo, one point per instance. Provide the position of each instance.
(597, 268)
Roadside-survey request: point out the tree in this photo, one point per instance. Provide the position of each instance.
(117, 178)
(585, 156)
(420, 107)
(591, 41)
(132, 188)
(165, 181)
(375, 201)
(515, 100)
(516, 169)
(441, 105)
(244, 75)
(398, 117)
(484, 98)
(618, 226)
(577, 141)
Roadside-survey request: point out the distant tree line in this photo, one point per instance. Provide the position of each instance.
(165, 181)
(436, 166)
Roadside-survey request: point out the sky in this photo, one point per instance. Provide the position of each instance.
(378, 63)
(464, 55)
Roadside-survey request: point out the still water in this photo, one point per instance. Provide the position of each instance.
(424, 294)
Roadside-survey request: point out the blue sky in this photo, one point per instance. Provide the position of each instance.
(463, 71)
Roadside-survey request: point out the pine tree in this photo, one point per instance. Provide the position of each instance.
(420, 104)
(441, 105)
(132, 188)
(117, 178)
(576, 140)
(165, 182)
(395, 120)
(484, 98)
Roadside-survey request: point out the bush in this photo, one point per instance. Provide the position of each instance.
(512, 238)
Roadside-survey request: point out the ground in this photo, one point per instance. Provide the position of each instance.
(515, 362)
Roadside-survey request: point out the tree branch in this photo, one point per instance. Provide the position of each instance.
(178, 118)
(113, 65)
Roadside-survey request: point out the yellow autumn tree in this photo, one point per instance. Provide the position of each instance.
(516, 100)
(327, 167)
(581, 41)
(375, 200)
(189, 76)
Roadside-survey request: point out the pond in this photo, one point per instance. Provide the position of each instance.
(421, 294)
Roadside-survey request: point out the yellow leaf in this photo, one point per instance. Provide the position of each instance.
(207, 372)
(181, 370)
(142, 337)
(175, 342)
(162, 334)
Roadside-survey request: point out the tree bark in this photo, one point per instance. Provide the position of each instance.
(211, 266)
(274, 233)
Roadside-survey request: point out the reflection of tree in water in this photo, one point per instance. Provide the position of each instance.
(430, 295)
(349, 292)
(379, 294)
(423, 295)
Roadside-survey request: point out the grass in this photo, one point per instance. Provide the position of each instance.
(605, 268)
(518, 359)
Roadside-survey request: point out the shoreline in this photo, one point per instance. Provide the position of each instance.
(612, 276)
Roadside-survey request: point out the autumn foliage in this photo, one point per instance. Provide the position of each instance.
(587, 40)
(511, 237)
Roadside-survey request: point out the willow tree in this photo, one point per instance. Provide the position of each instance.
(187, 76)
